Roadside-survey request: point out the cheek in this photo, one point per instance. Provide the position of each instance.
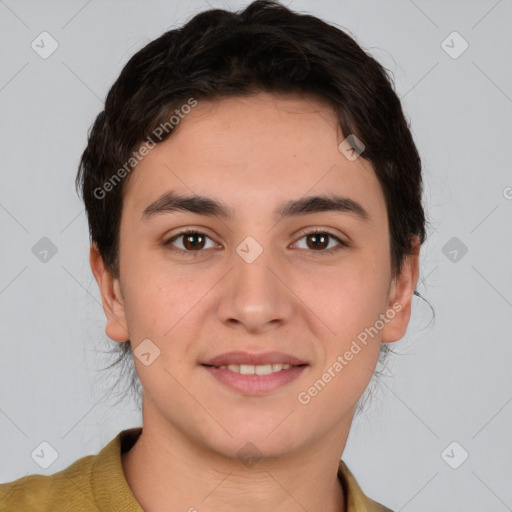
(151, 297)
(348, 297)
(349, 303)
(162, 299)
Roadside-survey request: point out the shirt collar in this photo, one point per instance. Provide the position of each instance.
(355, 499)
(109, 484)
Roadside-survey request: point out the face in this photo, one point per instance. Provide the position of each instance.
(266, 269)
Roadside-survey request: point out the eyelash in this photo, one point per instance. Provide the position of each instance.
(194, 254)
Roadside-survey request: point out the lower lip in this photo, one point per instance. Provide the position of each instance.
(255, 384)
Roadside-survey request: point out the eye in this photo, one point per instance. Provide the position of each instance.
(193, 242)
(318, 240)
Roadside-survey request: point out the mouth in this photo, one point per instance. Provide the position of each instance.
(260, 369)
(255, 374)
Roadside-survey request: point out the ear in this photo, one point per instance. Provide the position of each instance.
(111, 297)
(400, 296)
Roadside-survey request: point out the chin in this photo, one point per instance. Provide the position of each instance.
(269, 439)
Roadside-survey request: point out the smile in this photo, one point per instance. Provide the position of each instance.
(259, 379)
(260, 369)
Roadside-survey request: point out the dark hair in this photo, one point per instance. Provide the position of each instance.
(265, 47)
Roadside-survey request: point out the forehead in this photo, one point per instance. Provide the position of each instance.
(252, 151)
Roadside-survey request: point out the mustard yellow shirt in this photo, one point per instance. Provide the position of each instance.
(97, 483)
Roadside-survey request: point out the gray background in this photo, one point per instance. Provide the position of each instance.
(452, 380)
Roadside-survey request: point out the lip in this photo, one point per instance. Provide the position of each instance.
(255, 384)
(241, 357)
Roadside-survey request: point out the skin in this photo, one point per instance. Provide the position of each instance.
(251, 153)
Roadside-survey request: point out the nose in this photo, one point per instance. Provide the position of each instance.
(255, 296)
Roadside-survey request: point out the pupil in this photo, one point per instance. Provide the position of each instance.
(190, 238)
(316, 236)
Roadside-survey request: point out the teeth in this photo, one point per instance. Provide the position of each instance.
(260, 369)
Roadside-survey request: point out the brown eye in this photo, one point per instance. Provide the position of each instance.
(319, 241)
(191, 242)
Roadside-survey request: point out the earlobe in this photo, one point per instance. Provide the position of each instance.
(402, 289)
(111, 297)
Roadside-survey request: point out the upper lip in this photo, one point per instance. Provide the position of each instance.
(240, 357)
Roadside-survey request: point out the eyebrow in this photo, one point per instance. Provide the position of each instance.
(170, 202)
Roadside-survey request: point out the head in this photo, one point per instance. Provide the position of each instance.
(245, 117)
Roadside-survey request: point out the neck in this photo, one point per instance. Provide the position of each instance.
(167, 470)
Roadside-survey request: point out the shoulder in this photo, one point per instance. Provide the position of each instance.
(68, 490)
(92, 483)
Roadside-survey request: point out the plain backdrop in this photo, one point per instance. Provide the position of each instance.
(446, 396)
